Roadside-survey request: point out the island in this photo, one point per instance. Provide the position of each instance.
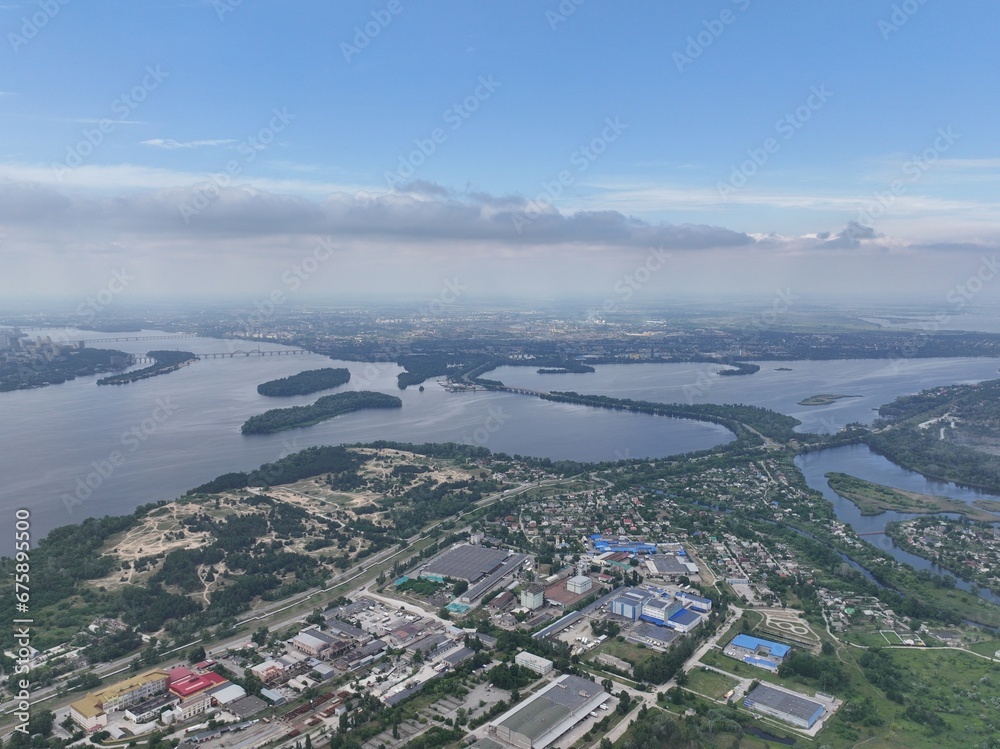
(741, 368)
(824, 399)
(583, 368)
(874, 499)
(327, 407)
(305, 383)
(165, 362)
(32, 366)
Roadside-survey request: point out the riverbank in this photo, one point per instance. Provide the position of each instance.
(875, 499)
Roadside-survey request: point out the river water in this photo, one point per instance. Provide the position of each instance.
(179, 430)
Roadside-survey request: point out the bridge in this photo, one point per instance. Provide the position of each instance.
(871, 533)
(521, 391)
(142, 338)
(255, 352)
(143, 359)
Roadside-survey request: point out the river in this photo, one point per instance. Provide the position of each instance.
(860, 461)
(179, 430)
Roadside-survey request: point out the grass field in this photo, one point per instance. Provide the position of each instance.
(986, 647)
(709, 683)
(746, 671)
(624, 650)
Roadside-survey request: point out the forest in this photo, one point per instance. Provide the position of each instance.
(43, 369)
(327, 407)
(305, 383)
(165, 361)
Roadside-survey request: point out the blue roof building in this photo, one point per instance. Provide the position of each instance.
(684, 620)
(757, 652)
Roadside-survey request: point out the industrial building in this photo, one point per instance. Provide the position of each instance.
(90, 711)
(533, 596)
(684, 621)
(785, 706)
(670, 565)
(540, 720)
(658, 610)
(465, 562)
(579, 584)
(629, 604)
(651, 635)
(698, 603)
(757, 652)
(318, 644)
(536, 663)
(603, 545)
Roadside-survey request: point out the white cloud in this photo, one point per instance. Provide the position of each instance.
(171, 144)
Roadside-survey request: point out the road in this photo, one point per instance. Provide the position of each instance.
(264, 614)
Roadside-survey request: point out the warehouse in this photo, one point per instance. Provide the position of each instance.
(464, 562)
(785, 706)
(704, 605)
(651, 635)
(658, 610)
(670, 565)
(757, 652)
(540, 720)
(684, 621)
(629, 604)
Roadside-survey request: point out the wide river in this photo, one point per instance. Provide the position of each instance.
(179, 430)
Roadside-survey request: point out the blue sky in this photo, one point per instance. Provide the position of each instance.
(490, 138)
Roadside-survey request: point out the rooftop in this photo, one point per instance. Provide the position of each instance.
(785, 702)
(466, 562)
(776, 649)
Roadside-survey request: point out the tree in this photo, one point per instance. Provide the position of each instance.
(196, 654)
(260, 636)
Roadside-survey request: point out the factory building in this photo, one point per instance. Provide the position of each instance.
(579, 584)
(704, 605)
(757, 652)
(533, 597)
(630, 603)
(539, 721)
(684, 621)
(785, 706)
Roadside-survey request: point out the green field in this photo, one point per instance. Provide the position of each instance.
(709, 683)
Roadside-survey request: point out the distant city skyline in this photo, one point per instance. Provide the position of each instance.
(554, 150)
